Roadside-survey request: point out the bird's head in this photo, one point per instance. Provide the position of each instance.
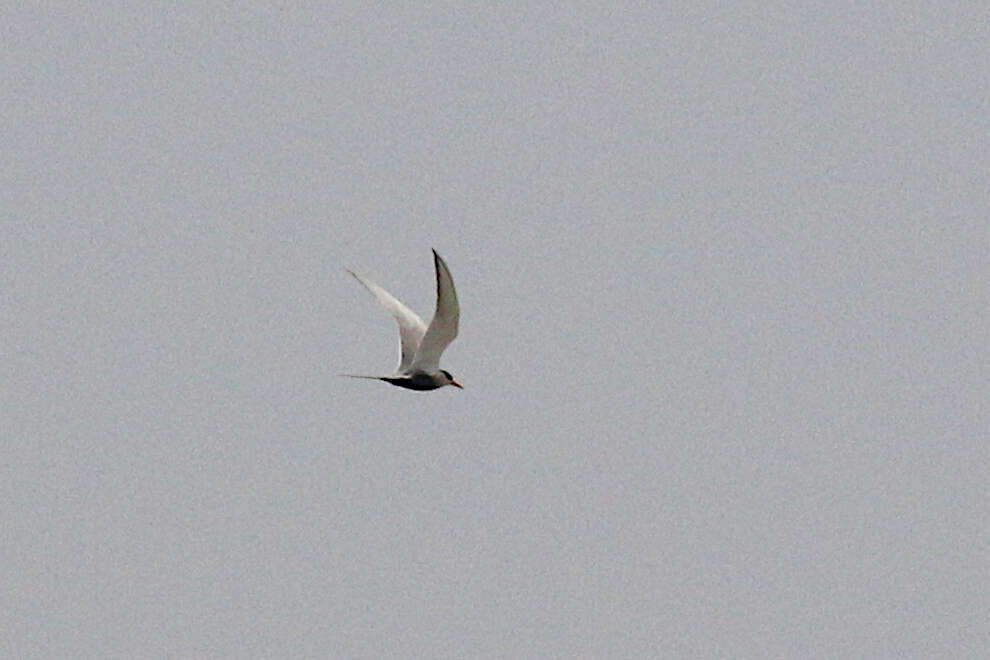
(449, 380)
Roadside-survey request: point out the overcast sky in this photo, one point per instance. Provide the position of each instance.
(724, 334)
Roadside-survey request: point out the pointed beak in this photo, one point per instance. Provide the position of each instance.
(456, 384)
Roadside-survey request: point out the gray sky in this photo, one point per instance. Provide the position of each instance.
(724, 331)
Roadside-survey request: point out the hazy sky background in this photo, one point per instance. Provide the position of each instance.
(724, 335)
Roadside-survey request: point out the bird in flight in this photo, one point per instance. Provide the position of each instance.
(421, 346)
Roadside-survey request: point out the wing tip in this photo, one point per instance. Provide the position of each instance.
(438, 261)
(363, 282)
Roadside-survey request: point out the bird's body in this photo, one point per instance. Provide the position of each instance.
(420, 345)
(422, 382)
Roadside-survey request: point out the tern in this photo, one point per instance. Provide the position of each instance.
(420, 346)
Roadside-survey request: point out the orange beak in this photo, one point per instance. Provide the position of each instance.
(456, 384)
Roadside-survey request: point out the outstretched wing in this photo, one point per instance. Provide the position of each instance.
(443, 327)
(411, 327)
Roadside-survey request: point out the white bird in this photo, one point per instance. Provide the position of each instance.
(421, 346)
